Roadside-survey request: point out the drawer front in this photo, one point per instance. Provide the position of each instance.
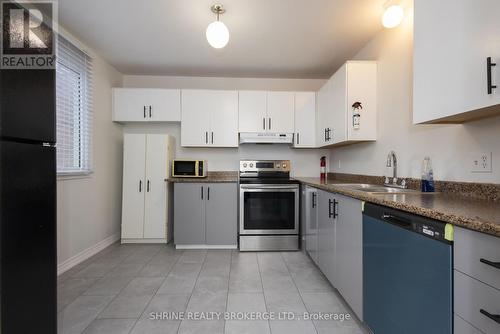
(469, 248)
(463, 327)
(471, 296)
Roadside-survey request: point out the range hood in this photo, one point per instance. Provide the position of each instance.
(265, 138)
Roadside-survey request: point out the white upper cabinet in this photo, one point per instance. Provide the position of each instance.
(261, 111)
(347, 105)
(305, 120)
(280, 112)
(146, 105)
(224, 120)
(252, 111)
(209, 118)
(324, 116)
(452, 42)
(195, 124)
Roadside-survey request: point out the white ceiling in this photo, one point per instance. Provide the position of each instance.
(268, 38)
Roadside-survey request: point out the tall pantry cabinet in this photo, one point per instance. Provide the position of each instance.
(146, 163)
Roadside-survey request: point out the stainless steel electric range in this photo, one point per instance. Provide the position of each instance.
(269, 206)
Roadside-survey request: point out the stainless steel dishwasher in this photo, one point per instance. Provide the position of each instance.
(407, 273)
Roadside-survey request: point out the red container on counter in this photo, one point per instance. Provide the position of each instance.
(322, 169)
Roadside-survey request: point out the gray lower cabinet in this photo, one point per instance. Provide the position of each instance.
(476, 282)
(221, 214)
(348, 269)
(310, 221)
(326, 234)
(333, 230)
(205, 214)
(189, 214)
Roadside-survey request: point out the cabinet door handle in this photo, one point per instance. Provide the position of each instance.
(147, 186)
(208, 193)
(206, 137)
(335, 208)
(325, 134)
(269, 123)
(491, 263)
(140, 185)
(298, 138)
(201, 192)
(330, 208)
(494, 317)
(263, 123)
(313, 198)
(212, 137)
(150, 112)
(144, 111)
(489, 65)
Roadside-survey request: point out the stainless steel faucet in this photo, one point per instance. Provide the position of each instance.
(392, 161)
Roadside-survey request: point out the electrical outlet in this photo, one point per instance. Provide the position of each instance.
(481, 163)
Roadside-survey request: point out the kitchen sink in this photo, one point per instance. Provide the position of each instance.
(377, 189)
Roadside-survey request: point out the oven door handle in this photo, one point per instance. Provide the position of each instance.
(269, 187)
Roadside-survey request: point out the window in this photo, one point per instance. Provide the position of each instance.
(74, 109)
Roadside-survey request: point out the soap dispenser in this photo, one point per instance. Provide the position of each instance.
(427, 176)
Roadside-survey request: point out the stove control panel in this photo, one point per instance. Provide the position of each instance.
(264, 166)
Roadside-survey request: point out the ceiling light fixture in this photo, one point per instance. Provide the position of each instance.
(217, 32)
(393, 15)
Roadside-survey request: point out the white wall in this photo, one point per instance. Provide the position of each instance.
(305, 162)
(89, 208)
(151, 81)
(449, 146)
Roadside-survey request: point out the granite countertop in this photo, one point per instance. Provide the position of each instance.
(475, 214)
(212, 177)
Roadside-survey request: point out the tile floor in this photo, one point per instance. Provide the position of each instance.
(118, 290)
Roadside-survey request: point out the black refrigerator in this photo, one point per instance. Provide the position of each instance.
(28, 256)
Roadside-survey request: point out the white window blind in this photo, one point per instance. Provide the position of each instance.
(74, 109)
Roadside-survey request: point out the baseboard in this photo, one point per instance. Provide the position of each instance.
(85, 254)
(206, 246)
(144, 241)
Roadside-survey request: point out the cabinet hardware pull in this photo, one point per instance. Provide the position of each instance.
(263, 123)
(335, 208)
(494, 317)
(150, 113)
(491, 263)
(208, 193)
(328, 137)
(144, 111)
(325, 134)
(298, 141)
(201, 192)
(140, 185)
(147, 186)
(330, 208)
(313, 200)
(489, 65)
(212, 137)
(206, 137)
(269, 123)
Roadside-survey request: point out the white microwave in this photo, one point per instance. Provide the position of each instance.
(189, 168)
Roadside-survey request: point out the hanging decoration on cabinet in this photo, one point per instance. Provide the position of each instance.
(356, 115)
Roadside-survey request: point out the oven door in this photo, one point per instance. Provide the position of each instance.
(269, 209)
